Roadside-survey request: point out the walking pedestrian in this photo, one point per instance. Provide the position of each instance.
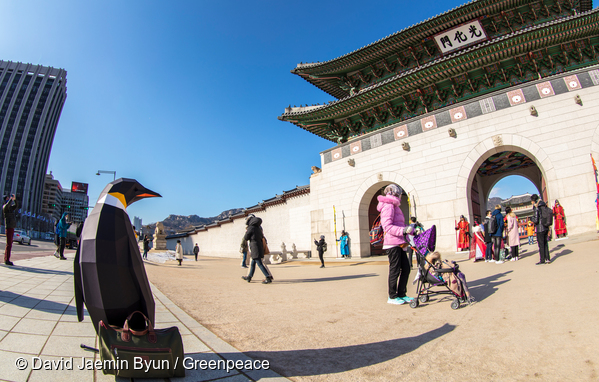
(542, 230)
(497, 234)
(257, 241)
(10, 223)
(179, 252)
(196, 250)
(513, 236)
(321, 247)
(394, 242)
(488, 238)
(146, 245)
(61, 231)
(344, 245)
(243, 249)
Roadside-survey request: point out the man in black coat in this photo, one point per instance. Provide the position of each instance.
(10, 223)
(542, 230)
(320, 248)
(488, 238)
(256, 238)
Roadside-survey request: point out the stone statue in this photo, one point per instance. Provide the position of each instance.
(159, 237)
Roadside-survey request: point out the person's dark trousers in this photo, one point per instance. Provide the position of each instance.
(514, 250)
(196, 257)
(260, 265)
(145, 256)
(63, 243)
(399, 267)
(543, 246)
(245, 259)
(489, 251)
(410, 253)
(321, 257)
(496, 247)
(10, 232)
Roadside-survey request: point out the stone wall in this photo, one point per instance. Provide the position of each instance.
(287, 222)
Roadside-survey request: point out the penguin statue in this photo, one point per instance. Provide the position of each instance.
(109, 273)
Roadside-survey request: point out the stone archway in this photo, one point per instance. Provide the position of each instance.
(364, 196)
(542, 174)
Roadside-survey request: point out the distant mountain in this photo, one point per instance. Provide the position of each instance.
(179, 223)
(492, 202)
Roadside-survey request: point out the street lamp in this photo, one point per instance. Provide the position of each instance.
(107, 172)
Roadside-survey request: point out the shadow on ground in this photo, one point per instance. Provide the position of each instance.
(40, 271)
(325, 279)
(485, 287)
(305, 362)
(34, 303)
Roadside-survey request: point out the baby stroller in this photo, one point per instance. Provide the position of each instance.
(432, 280)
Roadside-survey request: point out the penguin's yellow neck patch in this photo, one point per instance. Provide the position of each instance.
(120, 197)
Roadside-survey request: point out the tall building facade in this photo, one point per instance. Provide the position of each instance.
(52, 197)
(75, 204)
(31, 100)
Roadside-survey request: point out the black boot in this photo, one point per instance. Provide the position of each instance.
(246, 278)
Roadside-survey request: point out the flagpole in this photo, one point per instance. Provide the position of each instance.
(335, 224)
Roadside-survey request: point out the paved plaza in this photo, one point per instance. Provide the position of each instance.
(311, 324)
(38, 320)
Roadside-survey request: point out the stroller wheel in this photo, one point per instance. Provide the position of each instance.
(424, 298)
(414, 303)
(455, 304)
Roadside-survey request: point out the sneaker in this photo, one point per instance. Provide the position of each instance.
(8, 263)
(539, 263)
(407, 299)
(395, 301)
(56, 254)
(246, 278)
(266, 280)
(486, 261)
(548, 262)
(499, 262)
(322, 266)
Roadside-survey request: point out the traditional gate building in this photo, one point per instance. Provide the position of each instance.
(450, 106)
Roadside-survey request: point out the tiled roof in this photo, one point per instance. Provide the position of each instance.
(363, 93)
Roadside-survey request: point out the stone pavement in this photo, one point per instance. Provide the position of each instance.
(334, 324)
(38, 319)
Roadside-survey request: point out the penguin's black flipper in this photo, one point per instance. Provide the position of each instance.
(78, 285)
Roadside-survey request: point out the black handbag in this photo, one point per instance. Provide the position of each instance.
(149, 353)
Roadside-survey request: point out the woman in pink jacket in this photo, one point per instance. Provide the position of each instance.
(394, 226)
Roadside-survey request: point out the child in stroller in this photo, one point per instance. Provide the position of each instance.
(435, 273)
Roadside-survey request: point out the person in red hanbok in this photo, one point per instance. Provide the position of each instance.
(560, 220)
(464, 234)
(478, 241)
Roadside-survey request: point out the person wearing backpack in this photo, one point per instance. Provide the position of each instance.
(394, 226)
(321, 247)
(496, 226)
(542, 218)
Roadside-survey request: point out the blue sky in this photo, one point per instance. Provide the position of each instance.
(184, 95)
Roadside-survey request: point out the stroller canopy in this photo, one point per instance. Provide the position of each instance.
(426, 241)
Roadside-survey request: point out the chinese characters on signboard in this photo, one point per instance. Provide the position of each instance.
(460, 37)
